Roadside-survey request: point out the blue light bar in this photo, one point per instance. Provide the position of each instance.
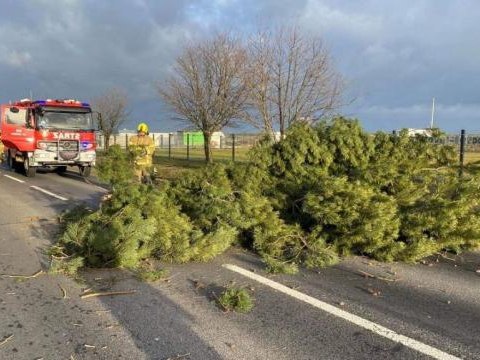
(40, 102)
(85, 104)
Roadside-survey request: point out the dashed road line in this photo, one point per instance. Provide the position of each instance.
(13, 178)
(357, 320)
(48, 193)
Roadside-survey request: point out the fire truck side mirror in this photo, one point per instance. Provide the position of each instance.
(14, 110)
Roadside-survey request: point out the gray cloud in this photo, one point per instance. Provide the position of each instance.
(396, 55)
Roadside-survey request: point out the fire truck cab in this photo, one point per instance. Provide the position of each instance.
(48, 133)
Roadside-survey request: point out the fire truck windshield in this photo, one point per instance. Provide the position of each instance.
(68, 119)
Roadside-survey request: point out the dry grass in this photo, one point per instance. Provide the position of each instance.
(471, 157)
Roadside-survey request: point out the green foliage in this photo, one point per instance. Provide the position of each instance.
(385, 196)
(116, 166)
(446, 218)
(353, 217)
(109, 239)
(236, 299)
(350, 147)
(68, 267)
(322, 192)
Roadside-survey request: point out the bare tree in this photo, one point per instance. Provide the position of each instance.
(291, 77)
(112, 112)
(207, 87)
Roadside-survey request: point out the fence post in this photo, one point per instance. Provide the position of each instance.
(188, 146)
(126, 141)
(169, 146)
(161, 141)
(462, 151)
(233, 147)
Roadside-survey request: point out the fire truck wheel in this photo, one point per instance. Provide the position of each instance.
(12, 164)
(85, 171)
(30, 171)
(61, 169)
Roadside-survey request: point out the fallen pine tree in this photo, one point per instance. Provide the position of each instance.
(323, 192)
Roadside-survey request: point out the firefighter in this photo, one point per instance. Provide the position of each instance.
(142, 147)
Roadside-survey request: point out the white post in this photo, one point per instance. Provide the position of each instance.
(433, 113)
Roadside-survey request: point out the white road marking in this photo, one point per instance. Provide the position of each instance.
(49, 193)
(13, 178)
(357, 320)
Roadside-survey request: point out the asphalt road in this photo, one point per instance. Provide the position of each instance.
(435, 305)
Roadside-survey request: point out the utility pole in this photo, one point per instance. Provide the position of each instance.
(433, 113)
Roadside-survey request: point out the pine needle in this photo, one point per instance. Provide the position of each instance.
(4, 341)
(23, 276)
(107, 293)
(64, 292)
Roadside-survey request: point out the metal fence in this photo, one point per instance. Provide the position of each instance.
(472, 141)
(191, 146)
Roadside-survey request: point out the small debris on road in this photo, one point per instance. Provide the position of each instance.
(107, 293)
(64, 292)
(102, 311)
(178, 357)
(368, 275)
(40, 272)
(89, 346)
(198, 285)
(6, 340)
(374, 292)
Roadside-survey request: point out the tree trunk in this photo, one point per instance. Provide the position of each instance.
(207, 139)
(106, 139)
(282, 128)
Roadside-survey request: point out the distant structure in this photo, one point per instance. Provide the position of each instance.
(424, 132)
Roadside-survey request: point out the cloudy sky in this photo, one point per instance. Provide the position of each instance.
(396, 55)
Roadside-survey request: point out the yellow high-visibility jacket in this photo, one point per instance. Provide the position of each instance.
(143, 147)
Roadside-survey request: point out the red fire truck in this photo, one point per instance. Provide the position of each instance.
(48, 133)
